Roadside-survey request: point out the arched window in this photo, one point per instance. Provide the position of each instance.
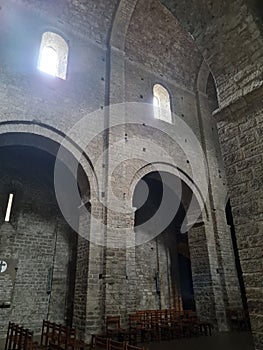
(212, 93)
(53, 55)
(162, 103)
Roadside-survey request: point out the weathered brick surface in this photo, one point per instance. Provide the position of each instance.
(244, 168)
(149, 46)
(39, 239)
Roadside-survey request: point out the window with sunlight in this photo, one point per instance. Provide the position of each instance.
(53, 55)
(162, 103)
(48, 62)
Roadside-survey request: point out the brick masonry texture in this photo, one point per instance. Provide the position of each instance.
(117, 51)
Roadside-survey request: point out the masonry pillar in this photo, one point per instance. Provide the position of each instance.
(240, 127)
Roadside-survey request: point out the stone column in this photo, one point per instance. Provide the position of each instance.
(240, 127)
(89, 285)
(217, 203)
(207, 284)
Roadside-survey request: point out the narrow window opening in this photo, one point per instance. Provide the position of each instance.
(53, 55)
(49, 61)
(9, 207)
(162, 103)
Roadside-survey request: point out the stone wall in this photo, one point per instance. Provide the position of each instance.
(107, 278)
(240, 130)
(38, 239)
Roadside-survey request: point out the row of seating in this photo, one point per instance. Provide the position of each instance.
(238, 320)
(102, 342)
(19, 338)
(58, 337)
(53, 336)
(155, 325)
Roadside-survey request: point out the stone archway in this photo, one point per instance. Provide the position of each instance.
(172, 252)
(46, 255)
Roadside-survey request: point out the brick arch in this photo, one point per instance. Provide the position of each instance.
(229, 38)
(48, 140)
(121, 23)
(202, 78)
(175, 171)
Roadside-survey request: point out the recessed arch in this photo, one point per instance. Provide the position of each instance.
(121, 23)
(50, 139)
(169, 244)
(171, 169)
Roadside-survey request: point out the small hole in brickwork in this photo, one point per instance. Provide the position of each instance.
(102, 78)
(142, 78)
(183, 115)
(141, 96)
(187, 161)
(101, 107)
(102, 194)
(143, 124)
(9, 207)
(100, 276)
(144, 149)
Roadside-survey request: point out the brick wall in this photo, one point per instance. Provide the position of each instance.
(239, 133)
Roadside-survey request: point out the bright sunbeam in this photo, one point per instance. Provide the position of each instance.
(156, 101)
(48, 62)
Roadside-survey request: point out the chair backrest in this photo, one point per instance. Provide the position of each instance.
(112, 322)
(18, 338)
(116, 345)
(100, 342)
(47, 332)
(132, 347)
(133, 321)
(9, 334)
(28, 340)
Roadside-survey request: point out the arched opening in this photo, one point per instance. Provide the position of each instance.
(163, 263)
(230, 222)
(212, 93)
(38, 244)
(162, 103)
(53, 55)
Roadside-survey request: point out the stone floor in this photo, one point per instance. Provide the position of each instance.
(220, 341)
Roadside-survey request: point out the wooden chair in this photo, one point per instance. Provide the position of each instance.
(206, 328)
(53, 346)
(10, 335)
(113, 328)
(14, 339)
(132, 347)
(116, 345)
(100, 342)
(46, 333)
(134, 329)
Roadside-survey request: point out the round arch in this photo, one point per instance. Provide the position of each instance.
(50, 140)
(121, 23)
(173, 170)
